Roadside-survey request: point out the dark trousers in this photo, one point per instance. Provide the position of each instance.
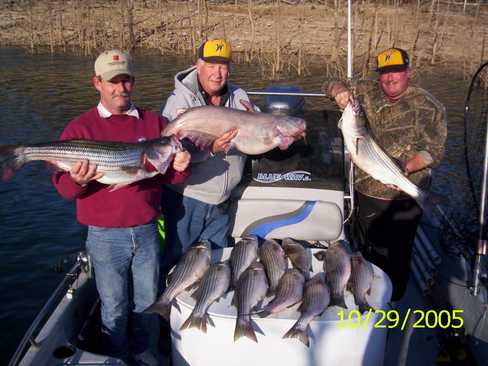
(384, 231)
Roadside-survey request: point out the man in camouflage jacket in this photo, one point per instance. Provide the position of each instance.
(409, 124)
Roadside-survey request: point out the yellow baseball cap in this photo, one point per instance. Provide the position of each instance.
(110, 64)
(215, 50)
(391, 60)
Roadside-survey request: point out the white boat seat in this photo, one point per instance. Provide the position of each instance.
(302, 219)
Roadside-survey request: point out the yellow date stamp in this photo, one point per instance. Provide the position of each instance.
(388, 319)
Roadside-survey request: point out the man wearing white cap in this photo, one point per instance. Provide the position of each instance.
(122, 238)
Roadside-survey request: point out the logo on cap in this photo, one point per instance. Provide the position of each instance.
(110, 64)
(216, 50)
(391, 60)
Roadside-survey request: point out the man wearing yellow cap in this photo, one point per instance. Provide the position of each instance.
(198, 207)
(409, 124)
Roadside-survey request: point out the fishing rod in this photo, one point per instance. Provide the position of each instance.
(481, 245)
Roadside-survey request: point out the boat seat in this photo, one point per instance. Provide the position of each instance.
(310, 220)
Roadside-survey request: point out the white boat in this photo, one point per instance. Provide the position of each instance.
(283, 194)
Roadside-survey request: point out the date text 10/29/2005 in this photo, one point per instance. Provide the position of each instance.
(393, 318)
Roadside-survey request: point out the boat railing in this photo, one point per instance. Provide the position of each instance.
(65, 288)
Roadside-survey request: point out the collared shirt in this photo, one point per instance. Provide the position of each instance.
(104, 113)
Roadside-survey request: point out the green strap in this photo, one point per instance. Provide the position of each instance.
(162, 233)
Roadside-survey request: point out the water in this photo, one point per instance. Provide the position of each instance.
(41, 93)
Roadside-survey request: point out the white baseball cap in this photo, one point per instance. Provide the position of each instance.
(110, 64)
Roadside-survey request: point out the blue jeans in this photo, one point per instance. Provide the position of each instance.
(188, 220)
(126, 264)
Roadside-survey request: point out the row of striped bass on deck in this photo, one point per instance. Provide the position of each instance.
(124, 163)
(258, 274)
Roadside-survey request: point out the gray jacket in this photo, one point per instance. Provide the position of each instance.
(212, 177)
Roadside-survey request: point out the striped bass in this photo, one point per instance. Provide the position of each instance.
(214, 285)
(361, 281)
(273, 257)
(370, 158)
(337, 269)
(244, 253)
(251, 289)
(316, 297)
(257, 132)
(288, 293)
(299, 256)
(121, 163)
(189, 270)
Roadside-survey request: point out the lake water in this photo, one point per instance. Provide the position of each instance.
(41, 93)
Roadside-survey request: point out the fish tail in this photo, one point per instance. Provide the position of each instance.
(195, 321)
(364, 307)
(161, 308)
(11, 160)
(298, 333)
(244, 329)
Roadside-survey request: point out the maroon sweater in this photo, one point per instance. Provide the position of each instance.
(135, 204)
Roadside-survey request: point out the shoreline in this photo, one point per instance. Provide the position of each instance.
(279, 37)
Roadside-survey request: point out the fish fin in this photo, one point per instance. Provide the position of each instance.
(193, 321)
(264, 312)
(11, 160)
(299, 334)
(292, 305)
(130, 170)
(116, 187)
(196, 294)
(364, 307)
(244, 329)
(299, 309)
(160, 159)
(320, 255)
(161, 308)
(177, 307)
(338, 301)
(209, 320)
(339, 123)
(193, 287)
(200, 139)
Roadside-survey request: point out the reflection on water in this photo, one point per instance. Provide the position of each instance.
(41, 93)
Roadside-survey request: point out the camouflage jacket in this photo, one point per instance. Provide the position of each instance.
(415, 123)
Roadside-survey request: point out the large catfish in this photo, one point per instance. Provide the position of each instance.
(257, 132)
